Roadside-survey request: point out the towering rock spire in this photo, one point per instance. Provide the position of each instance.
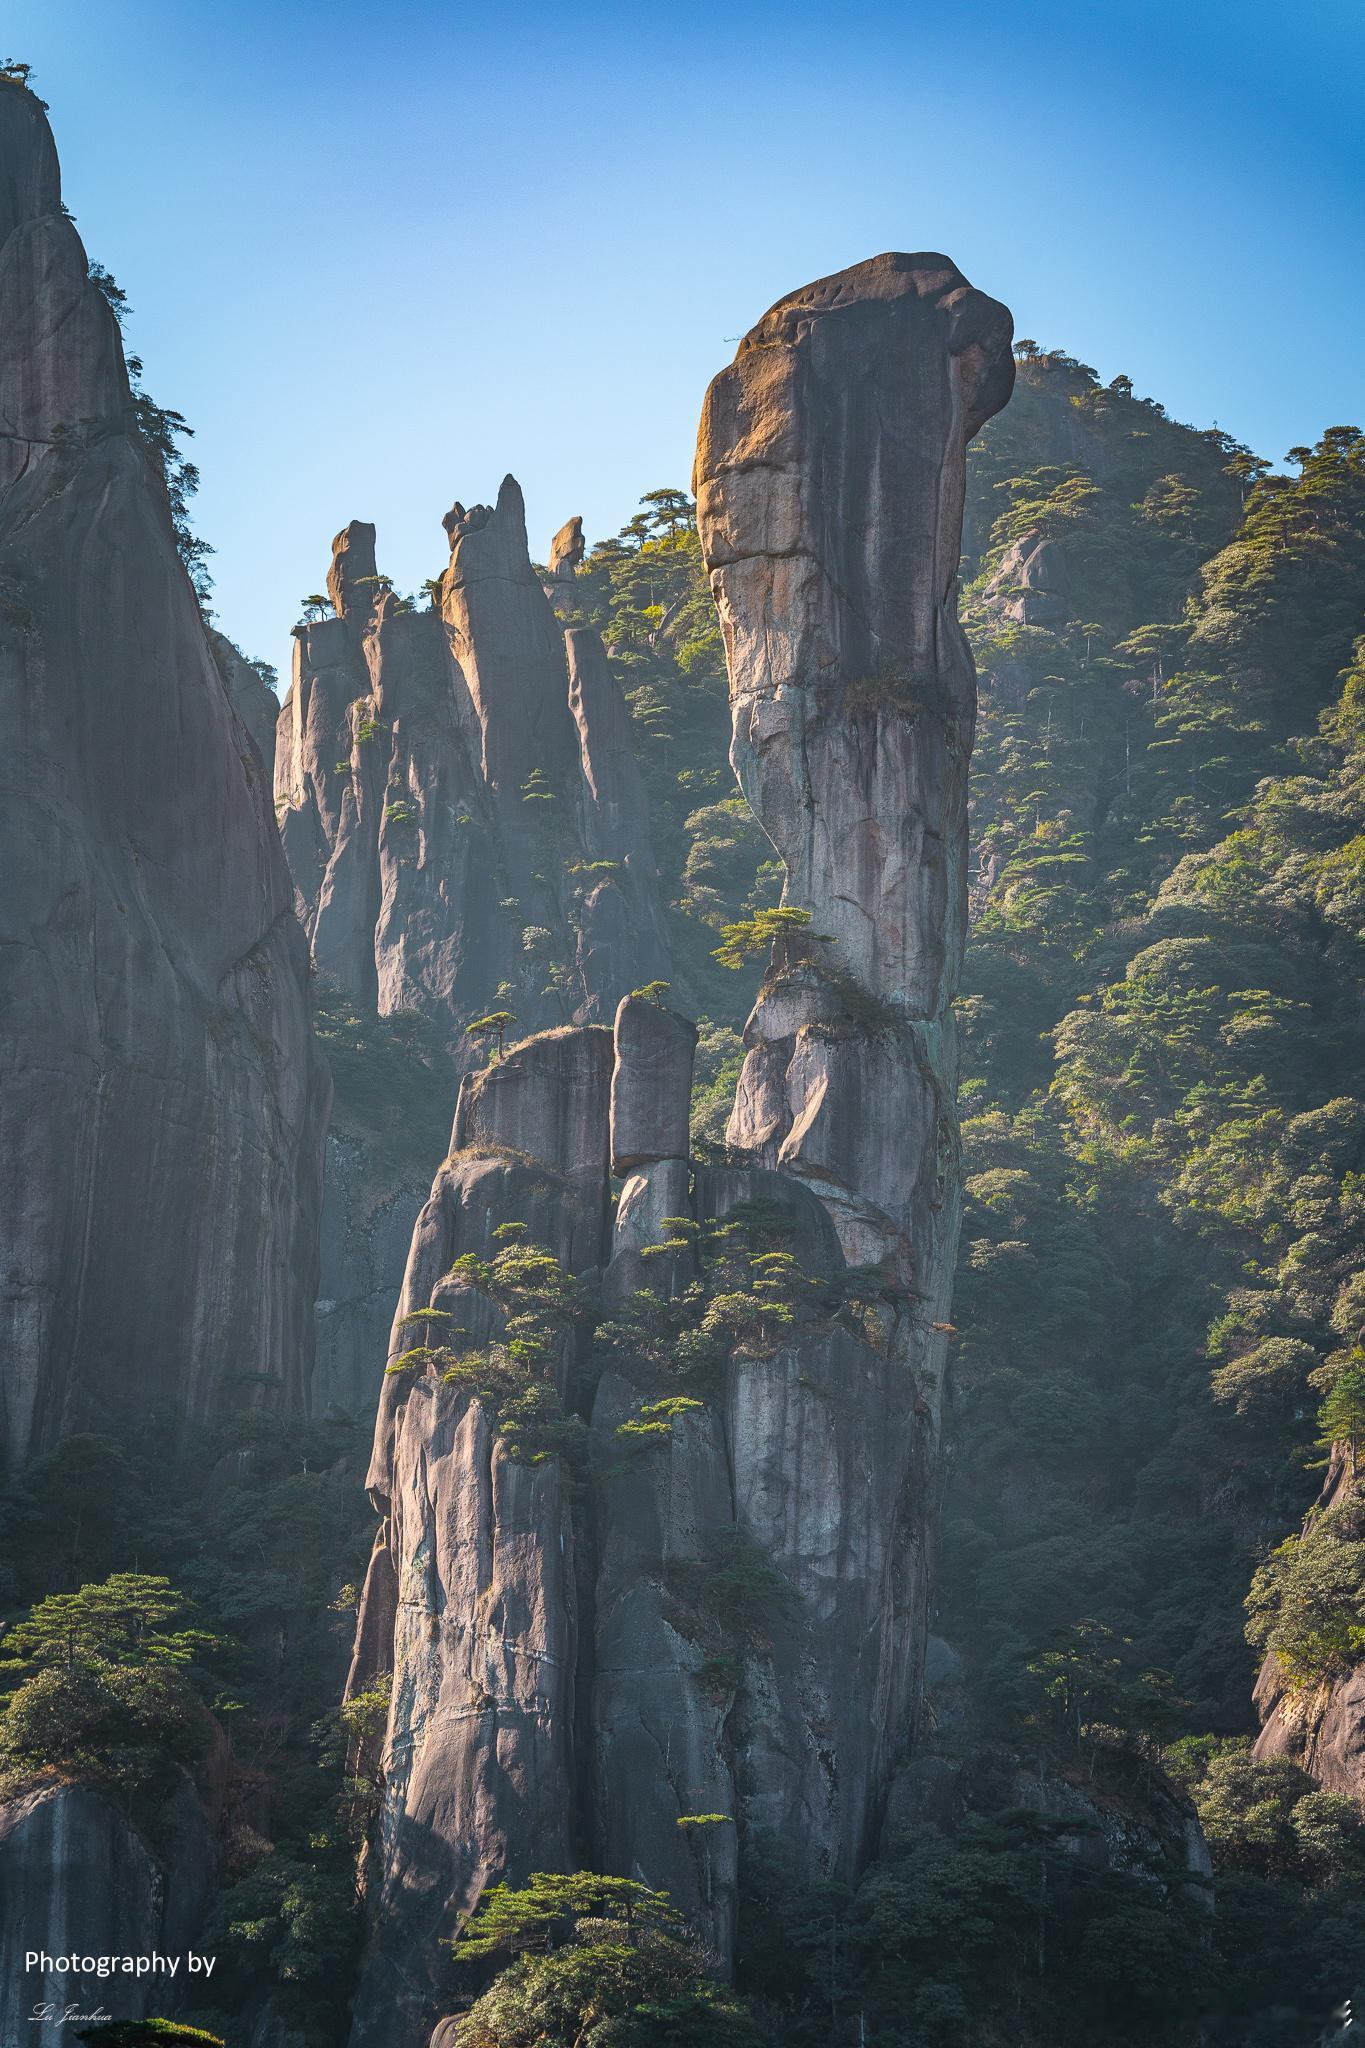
(743, 1582)
(162, 1113)
(829, 481)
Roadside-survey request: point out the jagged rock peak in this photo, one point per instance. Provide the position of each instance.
(567, 548)
(507, 519)
(353, 577)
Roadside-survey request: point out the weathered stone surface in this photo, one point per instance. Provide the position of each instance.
(74, 1877)
(1030, 585)
(830, 1464)
(866, 1120)
(478, 1760)
(813, 1242)
(162, 1116)
(829, 480)
(473, 1193)
(613, 827)
(252, 699)
(651, 1084)
(830, 477)
(352, 580)
(476, 1560)
(463, 817)
(368, 1219)
(830, 484)
(567, 548)
(546, 1098)
(660, 1698)
(459, 799)
(1321, 1728)
(657, 1191)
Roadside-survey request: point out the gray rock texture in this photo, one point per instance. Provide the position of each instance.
(1030, 586)
(252, 698)
(475, 1559)
(75, 1877)
(829, 481)
(368, 1217)
(742, 1588)
(163, 1106)
(467, 831)
(458, 797)
(651, 1085)
(547, 1100)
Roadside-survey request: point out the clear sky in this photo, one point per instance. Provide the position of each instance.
(379, 255)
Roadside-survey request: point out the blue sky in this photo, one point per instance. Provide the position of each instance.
(378, 256)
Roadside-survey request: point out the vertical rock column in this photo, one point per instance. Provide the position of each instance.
(829, 481)
(658, 1725)
(470, 1600)
(163, 1105)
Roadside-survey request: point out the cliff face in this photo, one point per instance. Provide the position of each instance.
(162, 1116)
(75, 1878)
(1320, 1727)
(829, 489)
(721, 1637)
(458, 800)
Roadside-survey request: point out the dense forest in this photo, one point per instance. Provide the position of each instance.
(1157, 1330)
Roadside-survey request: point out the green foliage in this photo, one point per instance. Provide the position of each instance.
(392, 1077)
(127, 1728)
(1163, 1142)
(715, 1073)
(616, 1971)
(516, 1373)
(293, 1924)
(150, 2033)
(544, 1912)
(120, 1622)
(492, 1029)
(1307, 1601)
(754, 937)
(946, 1938)
(1087, 1684)
(158, 432)
(653, 992)
(749, 1297)
(652, 1422)
(647, 592)
(1341, 1418)
(728, 1600)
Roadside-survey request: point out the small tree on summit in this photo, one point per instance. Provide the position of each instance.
(493, 1026)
